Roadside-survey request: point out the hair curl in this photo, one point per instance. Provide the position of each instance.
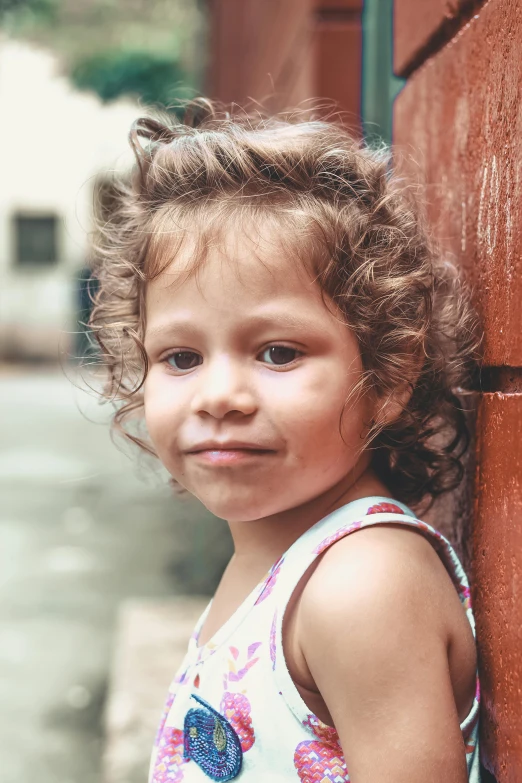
(361, 230)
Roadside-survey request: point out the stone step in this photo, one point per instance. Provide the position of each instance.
(151, 641)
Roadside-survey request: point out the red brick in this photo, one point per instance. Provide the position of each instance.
(260, 51)
(497, 570)
(416, 22)
(338, 5)
(283, 52)
(459, 116)
(223, 80)
(338, 51)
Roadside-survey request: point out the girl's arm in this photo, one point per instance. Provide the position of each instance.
(373, 629)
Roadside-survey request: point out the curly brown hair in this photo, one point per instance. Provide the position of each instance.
(346, 214)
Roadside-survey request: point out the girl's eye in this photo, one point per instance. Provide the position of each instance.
(184, 360)
(279, 355)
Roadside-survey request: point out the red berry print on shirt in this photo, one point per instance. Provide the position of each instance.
(321, 760)
(235, 707)
(385, 508)
(169, 759)
(341, 533)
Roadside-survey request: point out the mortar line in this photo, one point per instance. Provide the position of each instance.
(443, 35)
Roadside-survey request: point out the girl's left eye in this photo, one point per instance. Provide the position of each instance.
(279, 355)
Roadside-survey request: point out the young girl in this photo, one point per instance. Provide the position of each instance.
(269, 300)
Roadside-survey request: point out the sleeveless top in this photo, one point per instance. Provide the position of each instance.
(233, 710)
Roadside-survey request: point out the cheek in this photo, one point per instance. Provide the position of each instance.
(162, 413)
(310, 413)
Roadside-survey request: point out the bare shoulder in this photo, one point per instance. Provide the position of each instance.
(384, 594)
(384, 589)
(381, 570)
(377, 624)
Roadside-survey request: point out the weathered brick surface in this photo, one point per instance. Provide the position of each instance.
(418, 22)
(460, 116)
(458, 131)
(338, 5)
(338, 48)
(498, 579)
(284, 52)
(258, 50)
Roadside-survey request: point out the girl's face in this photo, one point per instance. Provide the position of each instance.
(249, 374)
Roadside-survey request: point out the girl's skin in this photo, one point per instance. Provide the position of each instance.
(249, 373)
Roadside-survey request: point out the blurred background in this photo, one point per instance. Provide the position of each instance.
(103, 571)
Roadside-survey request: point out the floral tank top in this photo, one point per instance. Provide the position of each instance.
(233, 710)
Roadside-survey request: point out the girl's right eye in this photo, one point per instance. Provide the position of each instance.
(183, 360)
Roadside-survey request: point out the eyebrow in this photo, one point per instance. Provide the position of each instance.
(257, 321)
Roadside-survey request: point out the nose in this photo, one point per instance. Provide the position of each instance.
(224, 388)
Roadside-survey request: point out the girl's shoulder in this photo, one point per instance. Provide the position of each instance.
(386, 567)
(379, 575)
(401, 546)
(384, 636)
(371, 550)
(386, 596)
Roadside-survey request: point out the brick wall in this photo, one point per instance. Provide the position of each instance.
(460, 117)
(285, 51)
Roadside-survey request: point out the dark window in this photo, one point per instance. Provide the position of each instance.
(36, 239)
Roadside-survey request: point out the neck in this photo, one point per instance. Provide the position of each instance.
(268, 538)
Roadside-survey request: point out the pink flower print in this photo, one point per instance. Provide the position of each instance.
(341, 533)
(235, 707)
(270, 581)
(321, 730)
(385, 508)
(252, 648)
(237, 668)
(465, 595)
(273, 641)
(181, 677)
(166, 709)
(321, 760)
(169, 759)
(423, 526)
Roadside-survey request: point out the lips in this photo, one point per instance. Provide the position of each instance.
(227, 446)
(229, 457)
(228, 454)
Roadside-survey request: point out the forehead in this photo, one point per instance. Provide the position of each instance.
(247, 261)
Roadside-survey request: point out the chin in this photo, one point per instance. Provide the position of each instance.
(235, 509)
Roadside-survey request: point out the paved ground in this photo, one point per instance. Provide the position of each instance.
(82, 528)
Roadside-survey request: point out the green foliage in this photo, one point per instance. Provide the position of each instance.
(154, 78)
(13, 5)
(43, 10)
